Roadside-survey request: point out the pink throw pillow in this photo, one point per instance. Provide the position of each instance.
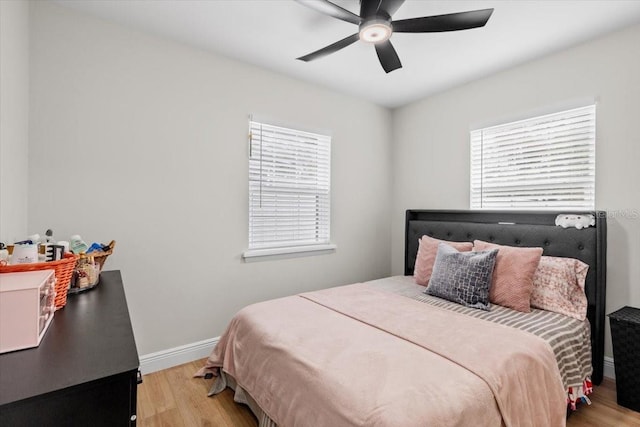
(427, 250)
(558, 286)
(512, 281)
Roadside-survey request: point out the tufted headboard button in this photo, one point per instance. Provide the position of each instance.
(547, 243)
(491, 238)
(581, 247)
(468, 235)
(517, 241)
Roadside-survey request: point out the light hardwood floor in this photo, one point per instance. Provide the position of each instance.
(173, 398)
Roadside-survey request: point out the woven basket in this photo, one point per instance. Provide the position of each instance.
(63, 271)
(101, 257)
(625, 336)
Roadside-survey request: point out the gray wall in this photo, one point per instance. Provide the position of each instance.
(430, 143)
(144, 141)
(14, 116)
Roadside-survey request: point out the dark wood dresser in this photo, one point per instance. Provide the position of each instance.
(84, 373)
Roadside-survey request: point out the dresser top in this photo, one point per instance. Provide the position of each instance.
(90, 338)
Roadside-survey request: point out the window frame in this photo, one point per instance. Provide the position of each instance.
(290, 183)
(530, 156)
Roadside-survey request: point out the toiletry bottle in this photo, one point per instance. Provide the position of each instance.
(81, 271)
(92, 270)
(77, 245)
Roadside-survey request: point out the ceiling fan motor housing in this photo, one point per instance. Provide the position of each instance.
(375, 30)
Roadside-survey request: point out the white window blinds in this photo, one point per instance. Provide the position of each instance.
(546, 162)
(289, 178)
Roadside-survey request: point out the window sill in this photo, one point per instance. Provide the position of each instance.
(293, 250)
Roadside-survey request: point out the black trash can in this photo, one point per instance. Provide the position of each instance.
(625, 335)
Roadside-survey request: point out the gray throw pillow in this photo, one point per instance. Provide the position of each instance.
(462, 277)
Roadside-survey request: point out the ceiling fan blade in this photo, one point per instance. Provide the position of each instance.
(368, 8)
(448, 22)
(390, 6)
(328, 8)
(331, 48)
(388, 56)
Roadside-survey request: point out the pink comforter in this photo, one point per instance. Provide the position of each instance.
(353, 356)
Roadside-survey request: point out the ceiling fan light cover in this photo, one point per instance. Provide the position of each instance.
(375, 31)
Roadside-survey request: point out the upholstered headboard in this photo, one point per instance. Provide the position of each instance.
(518, 228)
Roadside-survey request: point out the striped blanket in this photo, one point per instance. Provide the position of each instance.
(569, 338)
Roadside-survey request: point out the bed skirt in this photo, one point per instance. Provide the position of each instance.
(224, 380)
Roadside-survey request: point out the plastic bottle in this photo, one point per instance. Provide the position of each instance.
(82, 280)
(77, 245)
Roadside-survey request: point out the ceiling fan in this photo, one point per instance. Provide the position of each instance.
(376, 26)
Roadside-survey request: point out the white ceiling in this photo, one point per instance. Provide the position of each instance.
(272, 33)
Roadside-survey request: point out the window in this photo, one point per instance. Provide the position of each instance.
(289, 199)
(546, 162)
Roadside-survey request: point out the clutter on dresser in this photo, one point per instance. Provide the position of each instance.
(92, 258)
(85, 276)
(76, 264)
(63, 269)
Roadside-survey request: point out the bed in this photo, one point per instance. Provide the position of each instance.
(383, 353)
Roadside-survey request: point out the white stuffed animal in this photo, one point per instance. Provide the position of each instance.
(577, 221)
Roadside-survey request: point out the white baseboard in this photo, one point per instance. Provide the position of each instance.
(176, 356)
(609, 370)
